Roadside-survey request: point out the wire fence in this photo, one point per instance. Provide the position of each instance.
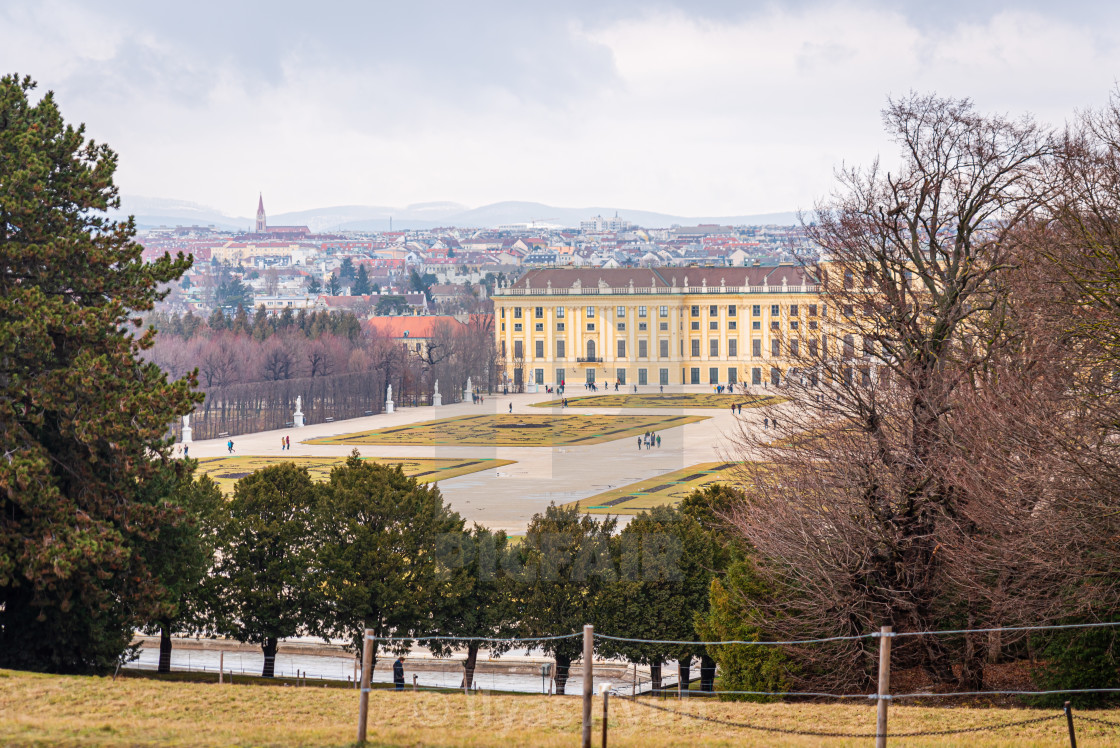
(636, 688)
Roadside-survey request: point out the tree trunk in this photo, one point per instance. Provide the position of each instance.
(469, 664)
(563, 663)
(655, 677)
(707, 673)
(684, 672)
(164, 647)
(269, 648)
(972, 665)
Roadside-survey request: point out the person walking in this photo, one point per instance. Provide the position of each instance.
(765, 423)
(659, 441)
(229, 445)
(639, 444)
(186, 450)
(662, 389)
(398, 674)
(511, 407)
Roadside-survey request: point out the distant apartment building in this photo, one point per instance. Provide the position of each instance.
(599, 225)
(658, 326)
(274, 305)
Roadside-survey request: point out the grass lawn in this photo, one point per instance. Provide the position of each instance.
(72, 711)
(669, 489)
(515, 430)
(665, 400)
(228, 470)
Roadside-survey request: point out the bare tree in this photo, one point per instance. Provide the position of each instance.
(855, 512)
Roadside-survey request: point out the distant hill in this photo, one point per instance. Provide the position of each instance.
(153, 212)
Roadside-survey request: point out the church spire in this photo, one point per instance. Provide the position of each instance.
(262, 222)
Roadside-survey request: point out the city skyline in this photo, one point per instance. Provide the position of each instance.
(710, 109)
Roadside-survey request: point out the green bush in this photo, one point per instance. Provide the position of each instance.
(741, 667)
(1076, 659)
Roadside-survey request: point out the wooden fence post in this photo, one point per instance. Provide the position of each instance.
(885, 635)
(363, 694)
(605, 689)
(588, 676)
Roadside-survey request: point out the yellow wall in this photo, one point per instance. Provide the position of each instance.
(680, 333)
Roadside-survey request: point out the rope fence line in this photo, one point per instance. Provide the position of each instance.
(824, 734)
(1098, 720)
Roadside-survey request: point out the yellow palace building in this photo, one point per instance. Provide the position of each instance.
(657, 326)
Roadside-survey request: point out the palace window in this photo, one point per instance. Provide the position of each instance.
(642, 311)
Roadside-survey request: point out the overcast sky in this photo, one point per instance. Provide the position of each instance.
(691, 108)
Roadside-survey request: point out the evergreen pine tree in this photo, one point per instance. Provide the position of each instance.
(84, 418)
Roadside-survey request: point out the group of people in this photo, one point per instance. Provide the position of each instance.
(649, 440)
(737, 408)
(285, 443)
(591, 386)
(477, 398)
(768, 422)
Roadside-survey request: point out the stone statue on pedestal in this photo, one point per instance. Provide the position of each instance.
(437, 399)
(389, 399)
(188, 436)
(297, 417)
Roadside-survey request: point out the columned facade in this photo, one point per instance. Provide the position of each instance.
(653, 326)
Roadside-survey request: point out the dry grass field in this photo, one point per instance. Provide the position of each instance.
(45, 710)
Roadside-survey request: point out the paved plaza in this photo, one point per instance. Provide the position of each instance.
(505, 496)
(664, 400)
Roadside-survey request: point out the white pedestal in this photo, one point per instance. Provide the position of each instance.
(388, 406)
(297, 420)
(188, 437)
(437, 400)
